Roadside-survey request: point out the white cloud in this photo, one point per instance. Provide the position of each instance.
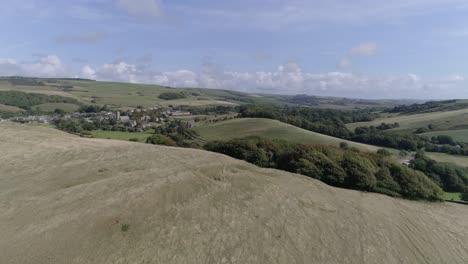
(120, 71)
(47, 66)
(364, 49)
(289, 78)
(88, 72)
(141, 8)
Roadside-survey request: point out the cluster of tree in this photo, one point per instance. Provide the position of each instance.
(326, 121)
(158, 139)
(26, 81)
(385, 126)
(93, 108)
(409, 141)
(450, 177)
(82, 125)
(208, 110)
(342, 167)
(174, 133)
(402, 140)
(430, 106)
(27, 100)
(172, 95)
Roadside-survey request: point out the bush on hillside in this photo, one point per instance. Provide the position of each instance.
(171, 96)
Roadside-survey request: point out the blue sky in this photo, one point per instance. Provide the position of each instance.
(361, 48)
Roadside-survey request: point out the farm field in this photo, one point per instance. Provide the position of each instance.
(9, 108)
(460, 135)
(443, 157)
(444, 120)
(78, 200)
(272, 129)
(118, 135)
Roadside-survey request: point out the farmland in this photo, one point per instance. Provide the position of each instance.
(460, 135)
(271, 129)
(443, 120)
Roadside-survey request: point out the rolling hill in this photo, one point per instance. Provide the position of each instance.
(460, 135)
(442, 120)
(65, 199)
(130, 95)
(272, 129)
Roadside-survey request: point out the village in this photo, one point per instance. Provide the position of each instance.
(138, 119)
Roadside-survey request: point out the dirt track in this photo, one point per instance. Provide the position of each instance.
(64, 199)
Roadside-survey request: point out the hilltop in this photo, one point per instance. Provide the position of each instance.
(66, 199)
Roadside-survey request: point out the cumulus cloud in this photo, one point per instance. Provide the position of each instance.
(289, 78)
(364, 49)
(88, 73)
(141, 8)
(46, 66)
(81, 38)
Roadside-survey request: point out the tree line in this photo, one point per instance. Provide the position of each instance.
(341, 167)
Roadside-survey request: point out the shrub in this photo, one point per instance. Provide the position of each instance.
(171, 96)
(158, 139)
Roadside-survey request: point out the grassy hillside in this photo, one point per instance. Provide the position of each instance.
(442, 157)
(124, 95)
(76, 200)
(244, 127)
(9, 108)
(460, 135)
(443, 120)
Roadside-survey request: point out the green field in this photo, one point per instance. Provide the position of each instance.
(452, 197)
(120, 135)
(442, 157)
(272, 129)
(460, 135)
(440, 120)
(50, 107)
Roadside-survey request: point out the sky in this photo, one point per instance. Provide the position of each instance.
(361, 48)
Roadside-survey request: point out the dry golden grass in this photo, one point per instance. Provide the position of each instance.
(65, 199)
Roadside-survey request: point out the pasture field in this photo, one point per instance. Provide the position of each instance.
(118, 135)
(9, 108)
(77, 200)
(443, 157)
(460, 135)
(444, 120)
(50, 107)
(272, 129)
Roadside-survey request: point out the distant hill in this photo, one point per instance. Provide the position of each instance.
(124, 95)
(66, 199)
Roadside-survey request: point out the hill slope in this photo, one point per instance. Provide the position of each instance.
(65, 199)
(442, 120)
(272, 129)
